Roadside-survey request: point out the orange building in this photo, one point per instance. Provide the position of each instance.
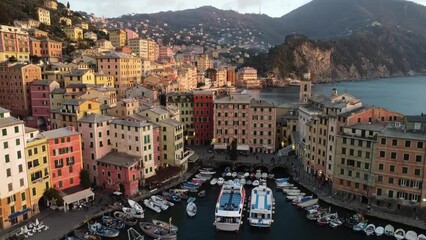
(13, 43)
(46, 49)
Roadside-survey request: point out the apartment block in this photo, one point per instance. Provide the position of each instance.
(40, 92)
(73, 110)
(203, 117)
(43, 16)
(74, 33)
(46, 49)
(185, 103)
(118, 37)
(14, 43)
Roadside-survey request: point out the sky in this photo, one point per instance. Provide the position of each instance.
(115, 8)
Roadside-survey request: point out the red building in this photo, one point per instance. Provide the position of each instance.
(120, 172)
(203, 116)
(40, 103)
(65, 157)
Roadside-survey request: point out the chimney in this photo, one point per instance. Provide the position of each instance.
(71, 128)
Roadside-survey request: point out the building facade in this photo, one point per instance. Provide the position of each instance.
(203, 117)
(14, 43)
(40, 91)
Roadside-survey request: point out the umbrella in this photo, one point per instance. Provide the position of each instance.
(117, 193)
(37, 222)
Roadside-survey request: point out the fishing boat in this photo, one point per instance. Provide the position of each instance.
(421, 237)
(135, 205)
(149, 204)
(202, 193)
(191, 209)
(261, 206)
(234, 174)
(258, 174)
(411, 235)
(354, 220)
(360, 226)
(327, 218)
(84, 236)
(314, 216)
(246, 174)
(256, 183)
(132, 212)
(220, 181)
(336, 222)
(249, 182)
(157, 232)
(191, 199)
(165, 225)
(113, 223)
(399, 234)
(213, 181)
(160, 202)
(292, 197)
(264, 175)
(301, 199)
(126, 218)
(174, 198)
(207, 172)
(369, 230)
(379, 231)
(102, 231)
(229, 207)
(243, 181)
(132, 234)
(308, 203)
(389, 230)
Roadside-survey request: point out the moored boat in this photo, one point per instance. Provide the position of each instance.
(264, 175)
(202, 193)
(229, 207)
(174, 198)
(336, 222)
(132, 212)
(220, 181)
(126, 218)
(256, 183)
(165, 225)
(379, 231)
(307, 203)
(354, 220)
(132, 234)
(149, 204)
(135, 205)
(191, 199)
(421, 237)
(301, 199)
(102, 231)
(213, 181)
(411, 235)
(191, 209)
(389, 230)
(261, 206)
(399, 234)
(360, 226)
(369, 230)
(84, 236)
(113, 223)
(157, 232)
(326, 218)
(207, 172)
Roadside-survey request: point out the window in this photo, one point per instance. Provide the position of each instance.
(405, 170)
(23, 196)
(392, 168)
(382, 154)
(393, 155)
(5, 145)
(406, 156)
(394, 142)
(418, 158)
(10, 187)
(8, 172)
(419, 144)
(6, 158)
(417, 172)
(16, 129)
(383, 141)
(390, 180)
(381, 166)
(21, 169)
(407, 143)
(34, 191)
(4, 132)
(379, 191)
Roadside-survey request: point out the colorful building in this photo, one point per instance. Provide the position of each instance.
(79, 76)
(185, 103)
(74, 33)
(124, 108)
(203, 117)
(38, 166)
(40, 91)
(118, 37)
(73, 110)
(15, 202)
(43, 16)
(46, 49)
(14, 43)
(65, 156)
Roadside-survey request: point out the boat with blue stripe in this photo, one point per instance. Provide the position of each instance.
(262, 206)
(229, 207)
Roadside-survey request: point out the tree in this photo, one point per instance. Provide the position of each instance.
(53, 196)
(85, 178)
(68, 5)
(233, 152)
(12, 59)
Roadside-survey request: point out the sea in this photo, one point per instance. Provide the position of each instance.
(406, 95)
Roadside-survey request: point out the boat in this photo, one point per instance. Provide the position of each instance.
(292, 197)
(149, 204)
(206, 169)
(178, 190)
(165, 225)
(281, 181)
(301, 199)
(290, 190)
(295, 193)
(229, 207)
(234, 174)
(228, 174)
(249, 182)
(237, 181)
(213, 181)
(190, 185)
(207, 172)
(314, 216)
(354, 220)
(160, 202)
(243, 181)
(191, 199)
(360, 226)
(135, 205)
(379, 231)
(256, 183)
(203, 176)
(308, 203)
(258, 174)
(157, 232)
(369, 230)
(261, 207)
(285, 185)
(126, 218)
(312, 207)
(264, 175)
(327, 218)
(202, 193)
(421, 237)
(271, 176)
(336, 222)
(102, 231)
(389, 230)
(174, 198)
(113, 223)
(246, 174)
(84, 236)
(132, 234)
(411, 235)
(132, 212)
(220, 181)
(399, 234)
(191, 209)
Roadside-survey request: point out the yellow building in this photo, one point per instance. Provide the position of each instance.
(104, 79)
(73, 110)
(84, 26)
(37, 162)
(66, 21)
(117, 37)
(43, 16)
(139, 47)
(51, 4)
(14, 42)
(57, 98)
(79, 76)
(74, 33)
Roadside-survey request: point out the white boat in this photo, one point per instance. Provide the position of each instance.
(220, 181)
(369, 230)
(379, 231)
(308, 203)
(258, 174)
(261, 207)
(228, 174)
(243, 181)
(399, 234)
(246, 174)
(229, 207)
(237, 180)
(389, 230)
(203, 176)
(165, 225)
(293, 193)
(421, 237)
(256, 183)
(285, 185)
(213, 181)
(249, 182)
(207, 172)
(191, 209)
(135, 205)
(335, 223)
(271, 176)
(158, 201)
(132, 234)
(264, 175)
(149, 204)
(206, 169)
(132, 212)
(411, 235)
(234, 174)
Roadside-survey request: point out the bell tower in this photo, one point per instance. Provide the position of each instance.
(305, 88)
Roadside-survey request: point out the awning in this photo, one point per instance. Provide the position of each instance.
(75, 197)
(243, 148)
(193, 158)
(17, 214)
(220, 146)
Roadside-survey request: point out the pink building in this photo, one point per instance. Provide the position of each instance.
(166, 51)
(65, 157)
(95, 134)
(130, 34)
(40, 103)
(120, 172)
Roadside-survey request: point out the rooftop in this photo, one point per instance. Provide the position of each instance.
(58, 133)
(130, 123)
(417, 118)
(74, 102)
(260, 103)
(3, 110)
(77, 72)
(95, 118)
(234, 98)
(59, 91)
(30, 130)
(172, 122)
(353, 111)
(41, 82)
(367, 127)
(119, 159)
(9, 121)
(399, 133)
(116, 55)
